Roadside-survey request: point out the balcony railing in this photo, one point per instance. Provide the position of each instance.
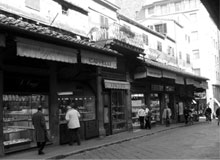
(116, 31)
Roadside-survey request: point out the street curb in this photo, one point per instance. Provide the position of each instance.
(115, 142)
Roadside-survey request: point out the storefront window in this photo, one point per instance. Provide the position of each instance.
(118, 111)
(137, 100)
(155, 106)
(85, 106)
(17, 119)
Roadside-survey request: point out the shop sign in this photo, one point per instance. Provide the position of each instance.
(110, 84)
(140, 75)
(155, 87)
(189, 81)
(151, 72)
(92, 58)
(179, 80)
(169, 88)
(204, 85)
(169, 75)
(46, 51)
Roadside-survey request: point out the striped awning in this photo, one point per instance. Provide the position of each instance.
(41, 50)
(111, 84)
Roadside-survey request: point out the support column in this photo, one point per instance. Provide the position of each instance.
(1, 114)
(53, 105)
(1, 106)
(100, 106)
(128, 105)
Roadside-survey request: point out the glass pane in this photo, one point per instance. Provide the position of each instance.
(155, 106)
(17, 119)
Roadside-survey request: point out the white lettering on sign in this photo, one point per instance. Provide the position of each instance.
(98, 59)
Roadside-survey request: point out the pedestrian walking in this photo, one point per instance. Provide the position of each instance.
(167, 115)
(141, 116)
(148, 119)
(191, 116)
(186, 114)
(208, 113)
(38, 121)
(217, 112)
(72, 117)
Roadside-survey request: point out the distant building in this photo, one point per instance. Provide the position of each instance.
(203, 35)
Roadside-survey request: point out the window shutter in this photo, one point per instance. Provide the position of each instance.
(102, 23)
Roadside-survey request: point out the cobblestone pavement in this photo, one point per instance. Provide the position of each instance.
(189, 142)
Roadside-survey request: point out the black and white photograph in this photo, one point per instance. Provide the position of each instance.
(109, 79)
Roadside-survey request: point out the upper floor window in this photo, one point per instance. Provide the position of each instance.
(192, 3)
(194, 36)
(187, 58)
(170, 51)
(161, 28)
(197, 71)
(65, 10)
(193, 17)
(145, 39)
(104, 22)
(196, 54)
(33, 4)
(104, 27)
(180, 55)
(151, 10)
(163, 9)
(159, 46)
(177, 6)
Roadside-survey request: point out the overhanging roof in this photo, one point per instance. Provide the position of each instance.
(173, 69)
(25, 27)
(213, 8)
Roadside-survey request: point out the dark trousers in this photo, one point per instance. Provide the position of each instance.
(167, 122)
(74, 135)
(148, 123)
(141, 119)
(186, 119)
(40, 146)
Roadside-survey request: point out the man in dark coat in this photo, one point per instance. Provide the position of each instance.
(38, 121)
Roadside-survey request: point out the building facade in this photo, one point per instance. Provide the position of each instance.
(204, 39)
(56, 52)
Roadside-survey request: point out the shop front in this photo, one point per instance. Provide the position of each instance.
(159, 90)
(85, 101)
(37, 73)
(115, 106)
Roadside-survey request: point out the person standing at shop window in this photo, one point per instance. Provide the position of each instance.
(218, 114)
(148, 119)
(141, 116)
(167, 115)
(72, 117)
(186, 114)
(38, 121)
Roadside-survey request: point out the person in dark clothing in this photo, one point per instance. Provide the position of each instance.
(148, 119)
(208, 113)
(186, 114)
(218, 114)
(38, 121)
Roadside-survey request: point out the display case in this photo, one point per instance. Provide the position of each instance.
(17, 119)
(85, 105)
(137, 101)
(155, 107)
(118, 112)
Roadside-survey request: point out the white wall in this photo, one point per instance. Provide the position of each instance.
(49, 11)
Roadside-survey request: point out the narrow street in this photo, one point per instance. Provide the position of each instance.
(189, 142)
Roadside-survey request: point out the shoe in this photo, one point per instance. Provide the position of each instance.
(41, 153)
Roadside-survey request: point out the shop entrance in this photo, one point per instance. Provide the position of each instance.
(114, 111)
